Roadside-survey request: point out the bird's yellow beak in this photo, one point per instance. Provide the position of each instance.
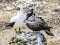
(16, 8)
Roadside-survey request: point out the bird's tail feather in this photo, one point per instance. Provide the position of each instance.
(8, 26)
(49, 32)
(50, 27)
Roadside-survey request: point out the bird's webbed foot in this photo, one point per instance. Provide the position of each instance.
(18, 31)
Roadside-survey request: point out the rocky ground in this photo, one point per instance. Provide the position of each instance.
(49, 10)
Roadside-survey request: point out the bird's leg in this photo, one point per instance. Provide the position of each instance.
(19, 30)
(15, 30)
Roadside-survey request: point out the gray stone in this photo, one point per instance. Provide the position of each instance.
(30, 38)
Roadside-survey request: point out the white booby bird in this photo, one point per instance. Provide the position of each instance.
(18, 20)
(38, 24)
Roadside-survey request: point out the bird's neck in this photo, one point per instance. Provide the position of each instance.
(20, 15)
(20, 12)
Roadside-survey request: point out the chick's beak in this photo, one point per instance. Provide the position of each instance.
(16, 8)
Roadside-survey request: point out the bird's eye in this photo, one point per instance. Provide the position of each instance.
(18, 8)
